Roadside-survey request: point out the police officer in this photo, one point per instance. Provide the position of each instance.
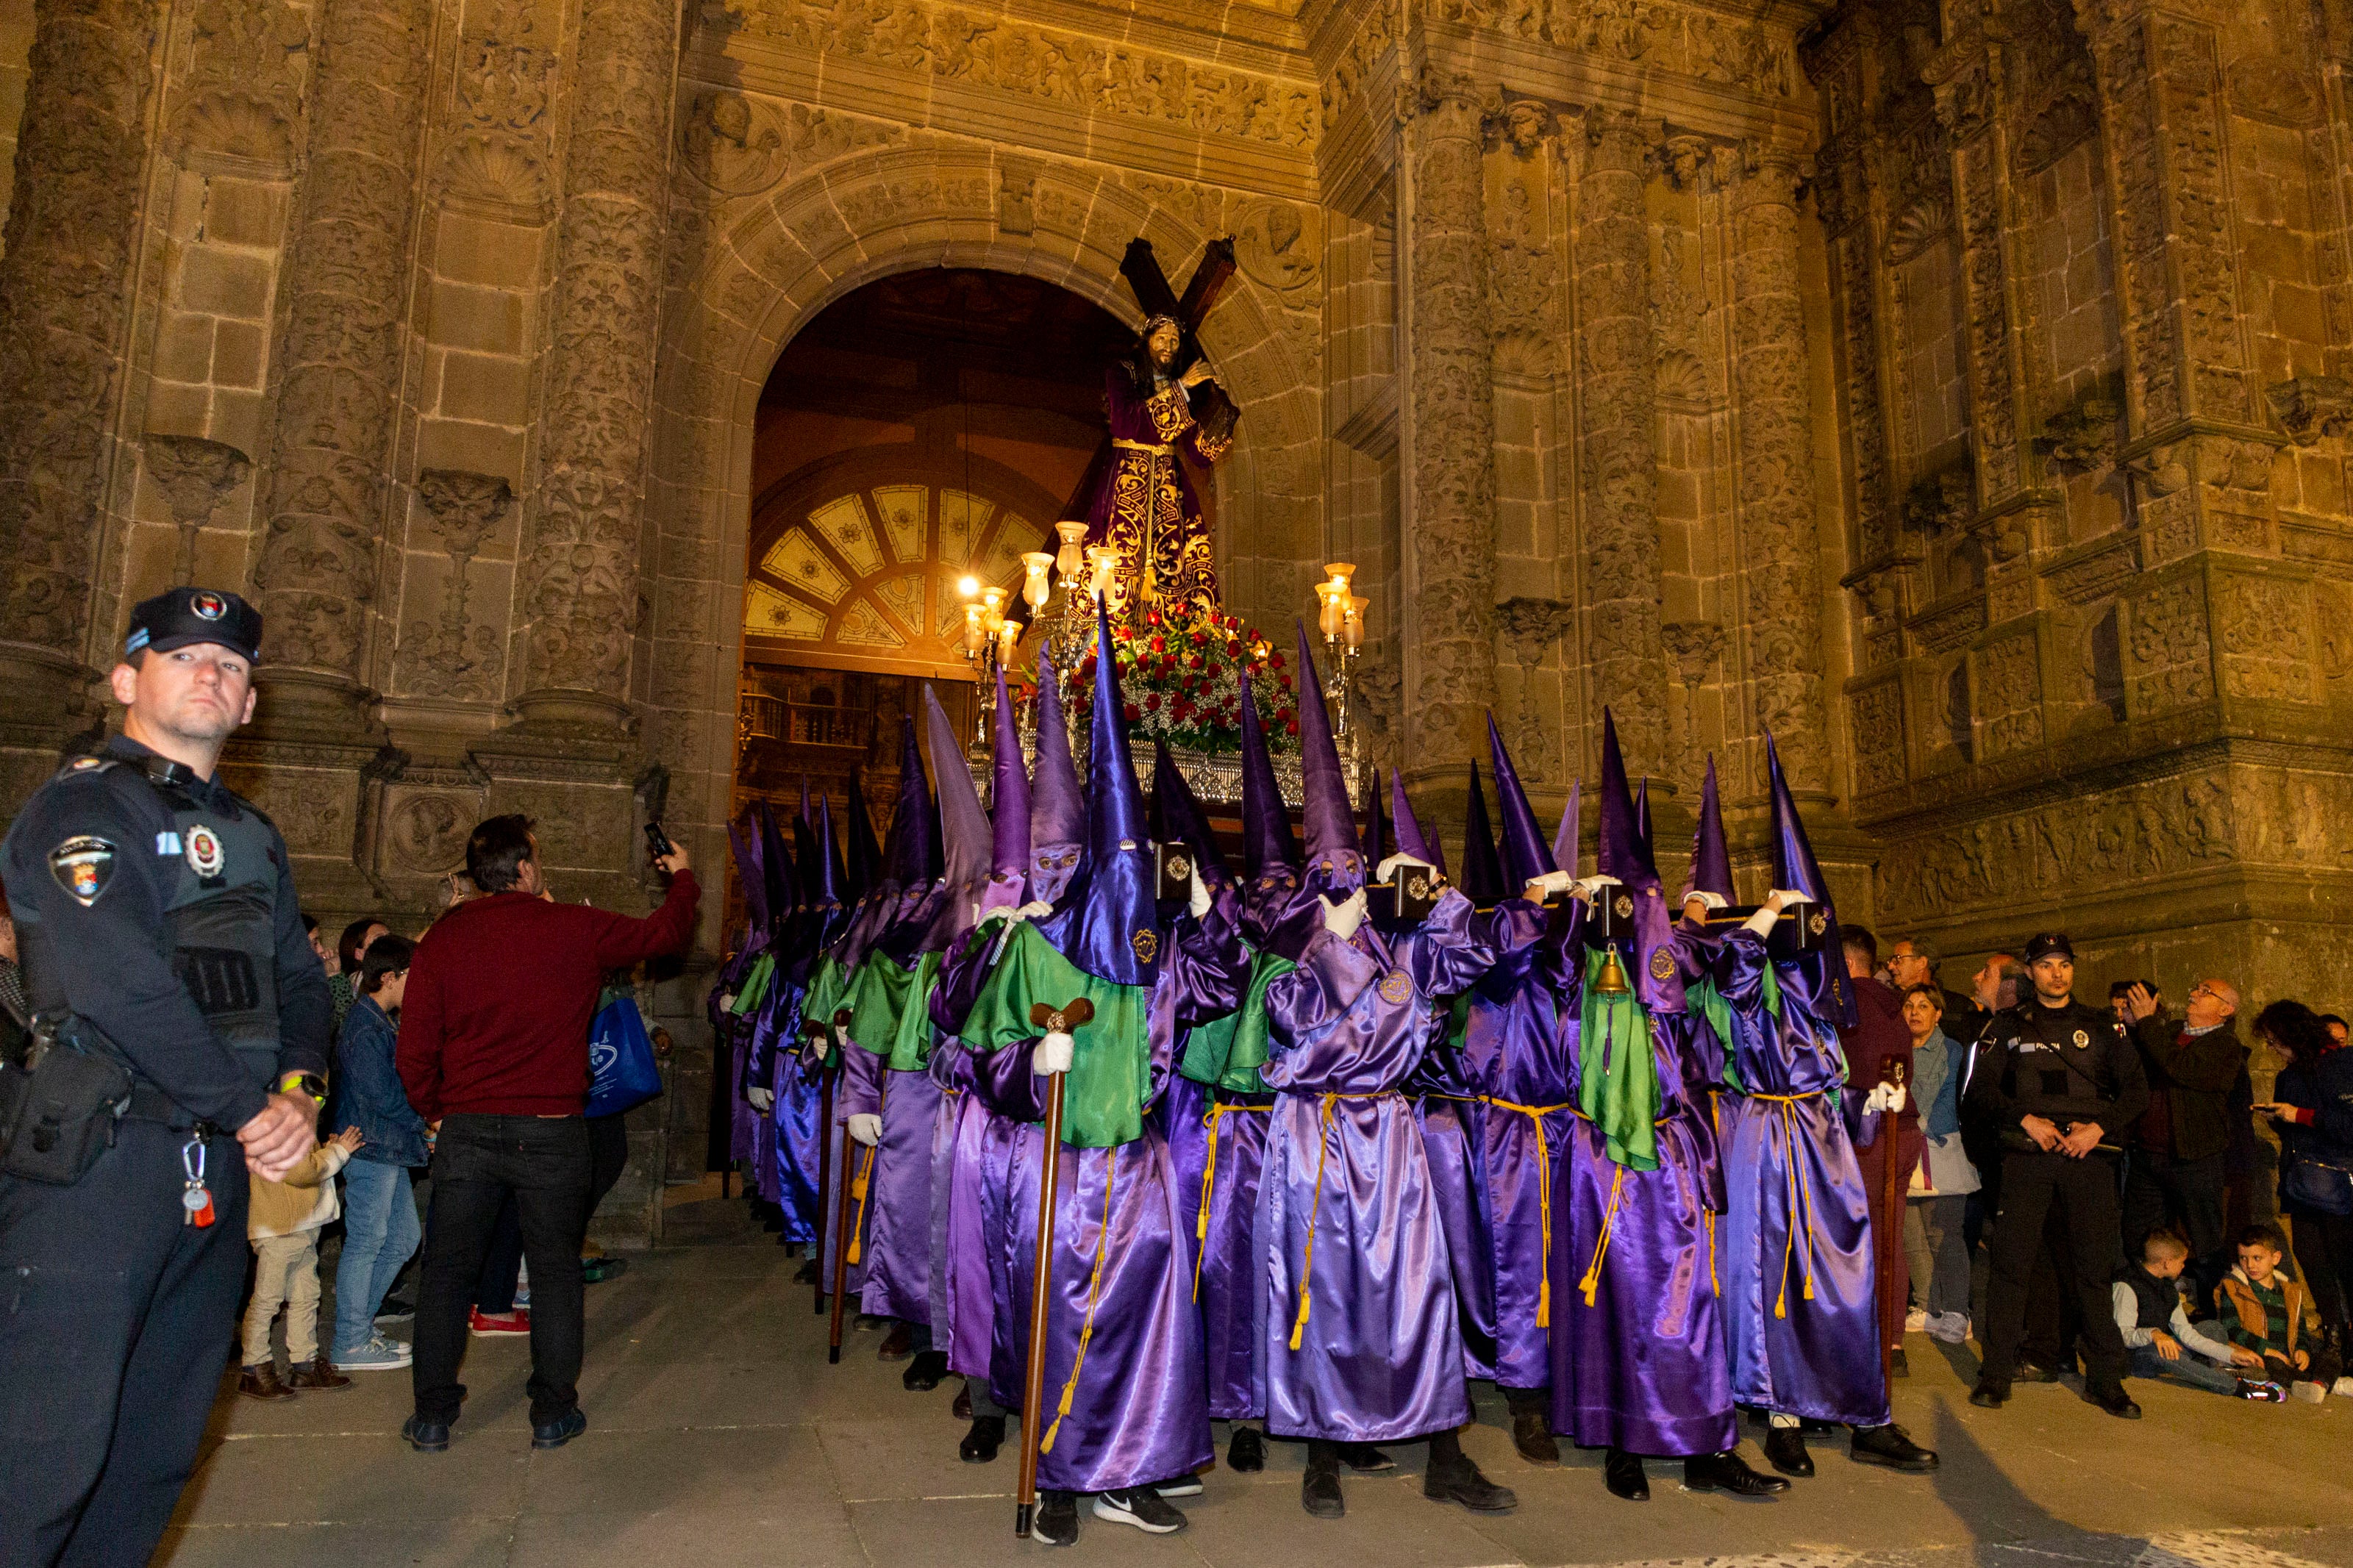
(2061, 1086)
(156, 915)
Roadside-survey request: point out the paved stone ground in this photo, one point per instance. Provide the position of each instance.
(719, 1436)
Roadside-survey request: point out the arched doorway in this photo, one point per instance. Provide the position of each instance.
(922, 429)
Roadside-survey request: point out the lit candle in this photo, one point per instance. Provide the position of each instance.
(1105, 561)
(1067, 563)
(1009, 635)
(1341, 571)
(1353, 629)
(1035, 588)
(974, 633)
(1327, 618)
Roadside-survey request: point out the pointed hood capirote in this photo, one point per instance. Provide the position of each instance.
(1377, 835)
(1336, 866)
(965, 827)
(1058, 808)
(1177, 818)
(1483, 867)
(1624, 855)
(1711, 866)
(776, 872)
(1009, 808)
(832, 880)
(878, 923)
(1564, 839)
(864, 868)
(1410, 840)
(1525, 855)
(743, 838)
(1114, 933)
(808, 862)
(1821, 971)
(1270, 855)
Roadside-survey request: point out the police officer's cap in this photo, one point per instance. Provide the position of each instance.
(2042, 944)
(183, 616)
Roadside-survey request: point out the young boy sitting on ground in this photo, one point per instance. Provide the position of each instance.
(2273, 1316)
(2159, 1336)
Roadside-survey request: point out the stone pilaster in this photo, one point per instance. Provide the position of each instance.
(1781, 601)
(577, 598)
(70, 235)
(347, 294)
(1452, 628)
(1619, 441)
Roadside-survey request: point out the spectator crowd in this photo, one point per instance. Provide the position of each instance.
(2168, 1243)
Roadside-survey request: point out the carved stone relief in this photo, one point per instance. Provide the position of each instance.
(195, 475)
(242, 97)
(455, 655)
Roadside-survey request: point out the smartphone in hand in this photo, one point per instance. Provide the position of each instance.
(657, 842)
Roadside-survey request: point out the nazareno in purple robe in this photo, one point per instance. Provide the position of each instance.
(1795, 1260)
(1357, 1333)
(1137, 1413)
(1642, 1368)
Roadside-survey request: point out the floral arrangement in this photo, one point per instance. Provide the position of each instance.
(1180, 674)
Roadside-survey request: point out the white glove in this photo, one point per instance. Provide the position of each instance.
(1342, 918)
(867, 1128)
(1886, 1097)
(1786, 899)
(841, 1035)
(727, 1001)
(1713, 901)
(1591, 887)
(1198, 901)
(1054, 1054)
(761, 1099)
(1761, 922)
(1387, 870)
(1550, 883)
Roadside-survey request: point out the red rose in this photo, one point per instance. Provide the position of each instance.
(1153, 702)
(1132, 713)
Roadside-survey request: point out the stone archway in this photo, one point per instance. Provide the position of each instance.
(779, 261)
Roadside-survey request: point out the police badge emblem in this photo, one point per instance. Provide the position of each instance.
(83, 865)
(205, 854)
(207, 607)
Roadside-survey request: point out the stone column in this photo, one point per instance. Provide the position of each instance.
(1781, 601)
(1450, 371)
(347, 295)
(578, 590)
(1619, 438)
(70, 236)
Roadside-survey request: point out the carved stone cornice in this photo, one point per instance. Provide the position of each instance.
(2311, 406)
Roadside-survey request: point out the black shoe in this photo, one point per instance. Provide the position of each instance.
(1365, 1460)
(2034, 1372)
(562, 1430)
(1622, 1472)
(1461, 1481)
(980, 1445)
(397, 1307)
(1319, 1488)
(1141, 1507)
(425, 1437)
(1729, 1472)
(1247, 1452)
(1988, 1395)
(1185, 1485)
(2114, 1399)
(1531, 1435)
(1890, 1446)
(1898, 1366)
(1057, 1523)
(926, 1372)
(898, 1344)
(1785, 1449)
(962, 1408)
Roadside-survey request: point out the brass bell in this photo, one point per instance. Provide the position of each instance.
(1611, 981)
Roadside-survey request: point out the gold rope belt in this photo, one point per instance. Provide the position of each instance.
(1785, 1131)
(1217, 1110)
(1094, 1292)
(1592, 1283)
(1157, 449)
(1323, 1147)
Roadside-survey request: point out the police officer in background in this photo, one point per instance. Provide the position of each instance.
(2061, 1086)
(156, 915)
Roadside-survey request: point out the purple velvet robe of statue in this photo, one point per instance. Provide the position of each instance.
(1380, 1356)
(1136, 1410)
(1795, 1261)
(1642, 1367)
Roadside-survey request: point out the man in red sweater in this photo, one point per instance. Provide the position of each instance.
(494, 1047)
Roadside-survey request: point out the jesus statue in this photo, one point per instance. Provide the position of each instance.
(1142, 504)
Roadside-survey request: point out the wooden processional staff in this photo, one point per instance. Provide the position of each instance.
(1047, 1019)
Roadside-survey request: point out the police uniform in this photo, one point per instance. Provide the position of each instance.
(2066, 1065)
(158, 908)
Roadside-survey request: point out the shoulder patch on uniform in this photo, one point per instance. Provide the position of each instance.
(167, 843)
(83, 865)
(92, 764)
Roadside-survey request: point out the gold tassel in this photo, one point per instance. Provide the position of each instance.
(1094, 1289)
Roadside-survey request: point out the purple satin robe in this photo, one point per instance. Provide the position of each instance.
(1380, 1352)
(1795, 1260)
(1227, 1275)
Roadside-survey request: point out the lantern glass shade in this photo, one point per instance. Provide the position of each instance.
(973, 633)
(1341, 571)
(1353, 627)
(1034, 587)
(1068, 560)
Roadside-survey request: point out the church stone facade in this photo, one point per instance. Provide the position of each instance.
(1960, 392)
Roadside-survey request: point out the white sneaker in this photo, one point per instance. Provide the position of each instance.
(2343, 1388)
(1915, 1321)
(1950, 1327)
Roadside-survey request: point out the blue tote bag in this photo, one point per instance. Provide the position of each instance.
(621, 1067)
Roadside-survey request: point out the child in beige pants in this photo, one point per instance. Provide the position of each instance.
(283, 1221)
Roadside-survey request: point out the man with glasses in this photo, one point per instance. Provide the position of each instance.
(2062, 1088)
(2176, 1151)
